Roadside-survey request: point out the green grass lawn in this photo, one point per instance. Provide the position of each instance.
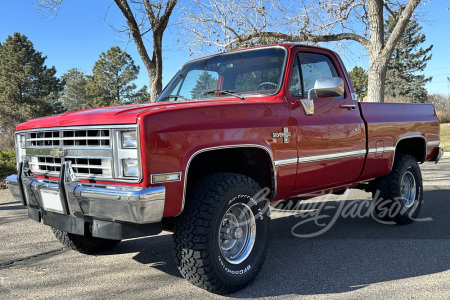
(445, 136)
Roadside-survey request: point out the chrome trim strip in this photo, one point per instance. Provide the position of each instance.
(70, 153)
(124, 126)
(372, 150)
(312, 158)
(40, 149)
(381, 150)
(267, 149)
(433, 143)
(69, 138)
(170, 173)
(286, 162)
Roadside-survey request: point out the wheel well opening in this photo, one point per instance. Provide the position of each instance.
(412, 146)
(252, 162)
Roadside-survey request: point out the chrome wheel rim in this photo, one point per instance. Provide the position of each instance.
(237, 233)
(408, 189)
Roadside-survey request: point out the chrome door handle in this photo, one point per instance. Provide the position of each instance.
(349, 106)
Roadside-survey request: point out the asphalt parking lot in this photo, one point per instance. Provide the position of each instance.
(357, 257)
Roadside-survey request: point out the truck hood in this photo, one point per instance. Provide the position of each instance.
(127, 114)
(120, 114)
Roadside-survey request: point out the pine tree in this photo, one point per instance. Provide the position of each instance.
(112, 76)
(205, 82)
(75, 96)
(28, 88)
(408, 58)
(141, 96)
(359, 80)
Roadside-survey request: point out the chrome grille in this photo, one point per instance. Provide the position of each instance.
(83, 167)
(89, 150)
(69, 138)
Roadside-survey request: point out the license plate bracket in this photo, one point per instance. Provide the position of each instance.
(51, 201)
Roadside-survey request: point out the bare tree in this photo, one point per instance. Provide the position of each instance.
(229, 24)
(142, 17)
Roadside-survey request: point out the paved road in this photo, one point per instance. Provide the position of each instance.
(356, 258)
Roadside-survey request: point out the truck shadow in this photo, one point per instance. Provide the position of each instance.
(13, 207)
(353, 253)
(155, 251)
(10, 206)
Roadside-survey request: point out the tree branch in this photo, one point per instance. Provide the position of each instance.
(135, 32)
(302, 38)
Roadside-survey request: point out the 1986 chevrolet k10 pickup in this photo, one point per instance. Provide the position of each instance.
(281, 118)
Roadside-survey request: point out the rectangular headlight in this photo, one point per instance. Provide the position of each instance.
(129, 140)
(130, 167)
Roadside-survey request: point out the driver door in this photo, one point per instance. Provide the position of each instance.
(331, 141)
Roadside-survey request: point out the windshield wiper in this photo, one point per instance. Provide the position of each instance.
(175, 96)
(226, 92)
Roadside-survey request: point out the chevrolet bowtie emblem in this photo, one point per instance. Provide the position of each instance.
(57, 153)
(285, 135)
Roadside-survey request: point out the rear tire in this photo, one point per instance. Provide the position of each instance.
(84, 244)
(221, 238)
(400, 192)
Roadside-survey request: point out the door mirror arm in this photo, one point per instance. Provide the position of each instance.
(308, 104)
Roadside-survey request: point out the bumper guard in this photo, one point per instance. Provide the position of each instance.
(114, 211)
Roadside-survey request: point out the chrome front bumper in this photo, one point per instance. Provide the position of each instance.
(103, 205)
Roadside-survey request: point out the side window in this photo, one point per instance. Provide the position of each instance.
(295, 87)
(314, 66)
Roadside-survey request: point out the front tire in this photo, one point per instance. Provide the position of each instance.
(220, 240)
(400, 192)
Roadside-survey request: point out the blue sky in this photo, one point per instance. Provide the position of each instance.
(81, 32)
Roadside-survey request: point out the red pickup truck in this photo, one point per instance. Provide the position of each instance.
(231, 134)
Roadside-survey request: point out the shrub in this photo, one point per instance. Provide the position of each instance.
(442, 105)
(445, 137)
(444, 116)
(7, 162)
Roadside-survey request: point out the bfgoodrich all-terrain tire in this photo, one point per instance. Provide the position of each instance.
(399, 194)
(84, 244)
(220, 240)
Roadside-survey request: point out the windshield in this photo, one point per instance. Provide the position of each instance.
(235, 74)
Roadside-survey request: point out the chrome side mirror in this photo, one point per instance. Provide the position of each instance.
(324, 88)
(328, 87)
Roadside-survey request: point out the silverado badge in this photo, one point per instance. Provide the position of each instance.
(57, 153)
(285, 135)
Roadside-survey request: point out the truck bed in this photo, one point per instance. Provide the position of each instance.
(391, 124)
